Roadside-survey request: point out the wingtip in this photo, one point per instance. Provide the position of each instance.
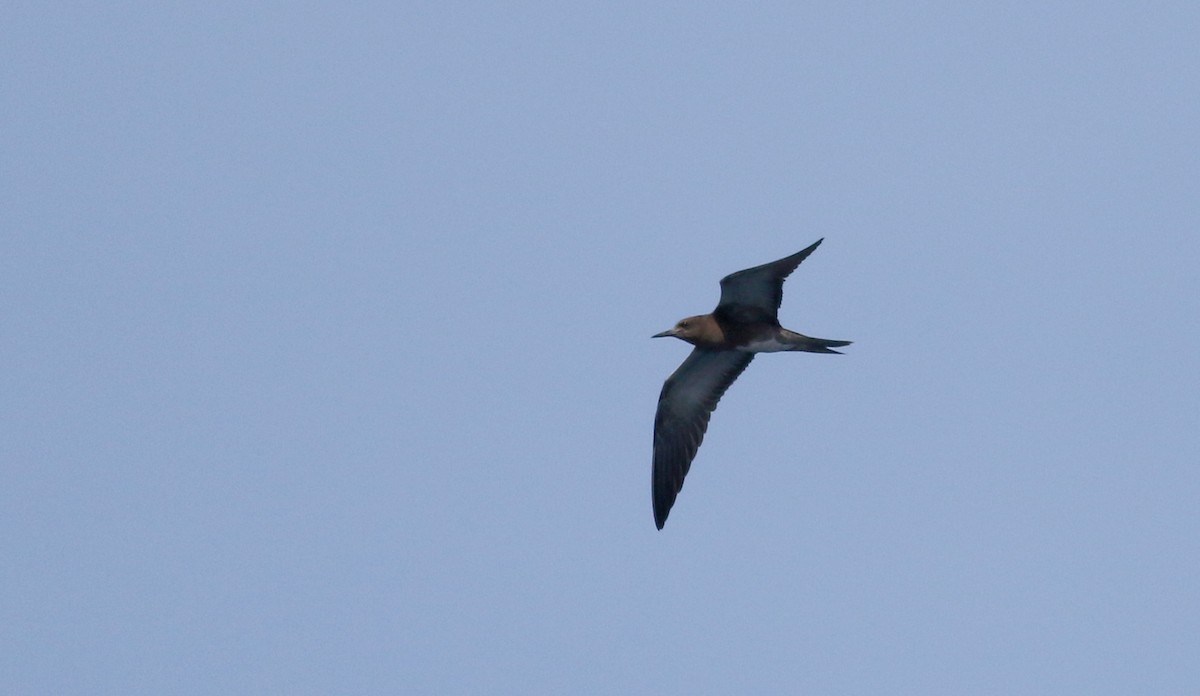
(660, 516)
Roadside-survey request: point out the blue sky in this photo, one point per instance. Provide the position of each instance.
(327, 359)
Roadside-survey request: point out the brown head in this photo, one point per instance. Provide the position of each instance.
(700, 330)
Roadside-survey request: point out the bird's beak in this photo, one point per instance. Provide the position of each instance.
(664, 334)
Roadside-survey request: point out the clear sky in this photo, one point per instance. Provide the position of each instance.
(326, 358)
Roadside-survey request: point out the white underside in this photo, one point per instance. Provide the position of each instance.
(770, 345)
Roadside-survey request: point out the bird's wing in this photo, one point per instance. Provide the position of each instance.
(754, 294)
(688, 398)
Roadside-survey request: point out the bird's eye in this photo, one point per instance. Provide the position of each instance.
(683, 324)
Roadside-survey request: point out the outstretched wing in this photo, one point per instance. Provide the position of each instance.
(754, 295)
(687, 400)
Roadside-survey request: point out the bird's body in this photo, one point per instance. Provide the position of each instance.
(744, 323)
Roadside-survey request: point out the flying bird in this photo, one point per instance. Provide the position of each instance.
(745, 322)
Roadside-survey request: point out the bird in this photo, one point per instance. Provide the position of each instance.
(744, 323)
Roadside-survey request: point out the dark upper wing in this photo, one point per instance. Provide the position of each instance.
(755, 293)
(688, 398)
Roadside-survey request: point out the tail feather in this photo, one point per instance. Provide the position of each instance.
(809, 344)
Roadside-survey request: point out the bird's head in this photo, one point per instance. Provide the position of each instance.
(694, 330)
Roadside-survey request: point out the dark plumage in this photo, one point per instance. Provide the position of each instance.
(744, 322)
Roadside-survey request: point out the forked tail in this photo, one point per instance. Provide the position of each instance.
(809, 344)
